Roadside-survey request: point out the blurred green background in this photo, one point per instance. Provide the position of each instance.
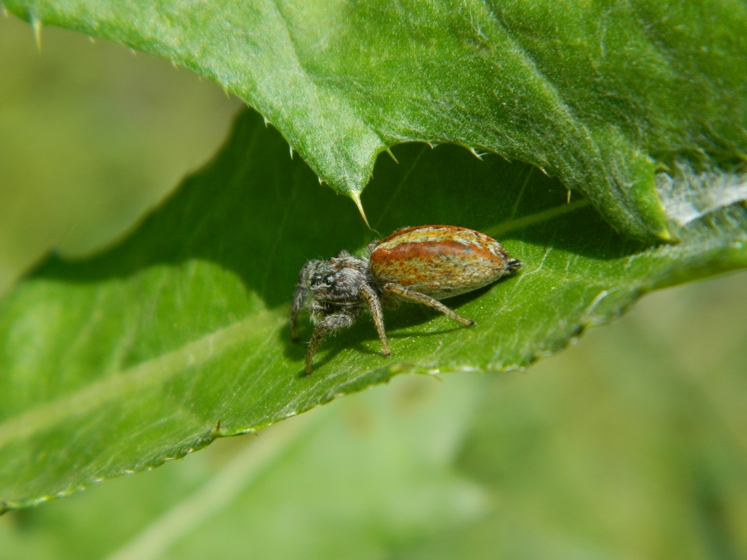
(91, 134)
(631, 444)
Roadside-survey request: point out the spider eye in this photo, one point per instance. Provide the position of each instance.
(319, 281)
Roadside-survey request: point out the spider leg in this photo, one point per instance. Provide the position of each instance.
(374, 305)
(406, 293)
(299, 299)
(338, 321)
(299, 296)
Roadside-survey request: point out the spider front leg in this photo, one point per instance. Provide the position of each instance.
(300, 295)
(299, 300)
(406, 293)
(336, 322)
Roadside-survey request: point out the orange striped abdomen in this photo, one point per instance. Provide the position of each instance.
(440, 261)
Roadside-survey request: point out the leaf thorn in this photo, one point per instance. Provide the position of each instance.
(391, 154)
(475, 153)
(357, 199)
(37, 26)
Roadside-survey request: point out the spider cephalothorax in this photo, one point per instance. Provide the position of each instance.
(421, 264)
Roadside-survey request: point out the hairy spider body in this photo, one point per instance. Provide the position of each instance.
(422, 264)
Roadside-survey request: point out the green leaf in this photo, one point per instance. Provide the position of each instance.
(179, 334)
(598, 95)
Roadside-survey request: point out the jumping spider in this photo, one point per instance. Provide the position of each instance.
(421, 264)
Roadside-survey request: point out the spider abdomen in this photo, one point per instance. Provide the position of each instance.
(439, 261)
